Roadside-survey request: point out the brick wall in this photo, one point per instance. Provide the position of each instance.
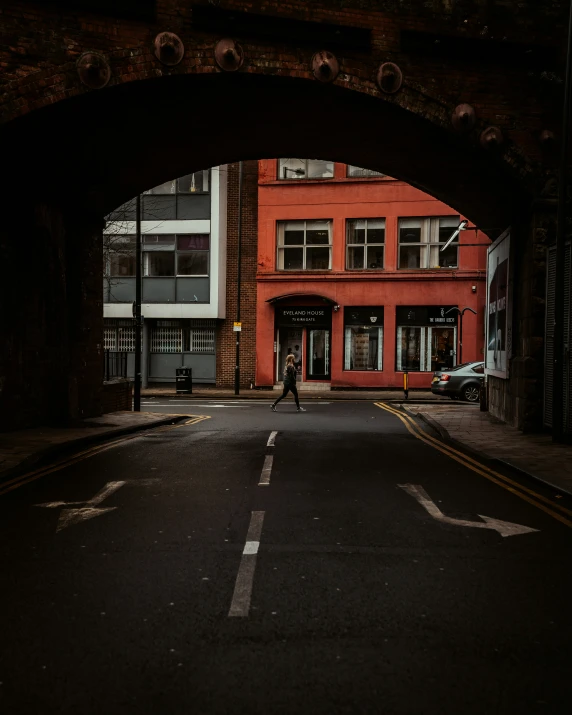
(226, 337)
(116, 396)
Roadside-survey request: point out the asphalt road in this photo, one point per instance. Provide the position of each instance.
(353, 581)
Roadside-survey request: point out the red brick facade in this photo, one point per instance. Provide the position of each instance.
(226, 337)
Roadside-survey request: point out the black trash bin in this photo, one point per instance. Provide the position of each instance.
(184, 380)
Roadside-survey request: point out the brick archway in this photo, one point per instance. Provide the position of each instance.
(106, 146)
(73, 153)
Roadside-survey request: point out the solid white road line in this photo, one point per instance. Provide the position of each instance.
(271, 439)
(240, 604)
(266, 471)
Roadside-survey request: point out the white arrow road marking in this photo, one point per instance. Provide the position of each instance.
(504, 528)
(68, 517)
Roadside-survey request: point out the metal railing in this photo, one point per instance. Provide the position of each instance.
(114, 365)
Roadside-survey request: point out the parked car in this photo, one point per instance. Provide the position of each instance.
(462, 382)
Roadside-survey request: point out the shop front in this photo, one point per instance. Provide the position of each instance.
(305, 332)
(426, 338)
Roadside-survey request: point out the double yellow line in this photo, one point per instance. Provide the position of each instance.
(22, 479)
(528, 495)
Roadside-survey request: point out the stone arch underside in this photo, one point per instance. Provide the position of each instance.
(96, 150)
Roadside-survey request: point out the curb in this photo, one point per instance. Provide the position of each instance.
(43, 456)
(326, 396)
(446, 437)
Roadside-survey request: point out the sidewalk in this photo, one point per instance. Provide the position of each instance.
(535, 454)
(203, 392)
(23, 449)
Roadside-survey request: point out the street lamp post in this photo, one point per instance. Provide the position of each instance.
(137, 308)
(460, 314)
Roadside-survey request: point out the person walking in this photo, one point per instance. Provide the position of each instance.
(289, 384)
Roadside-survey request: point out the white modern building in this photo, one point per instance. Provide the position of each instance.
(184, 237)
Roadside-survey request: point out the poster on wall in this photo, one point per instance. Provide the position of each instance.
(499, 308)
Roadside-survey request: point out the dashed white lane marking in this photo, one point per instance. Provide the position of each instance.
(266, 471)
(271, 439)
(240, 604)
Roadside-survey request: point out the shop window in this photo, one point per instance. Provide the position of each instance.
(420, 242)
(363, 338)
(305, 169)
(424, 349)
(120, 254)
(176, 336)
(357, 172)
(365, 244)
(200, 340)
(304, 245)
(119, 335)
(167, 337)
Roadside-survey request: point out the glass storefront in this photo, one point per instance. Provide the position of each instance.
(426, 338)
(318, 354)
(363, 338)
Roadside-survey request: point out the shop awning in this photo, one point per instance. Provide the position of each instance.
(290, 296)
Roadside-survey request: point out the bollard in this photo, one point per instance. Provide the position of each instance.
(406, 385)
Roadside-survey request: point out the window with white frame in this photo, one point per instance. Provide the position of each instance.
(305, 169)
(365, 241)
(421, 240)
(304, 245)
(168, 255)
(363, 338)
(358, 172)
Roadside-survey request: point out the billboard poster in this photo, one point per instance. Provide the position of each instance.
(499, 309)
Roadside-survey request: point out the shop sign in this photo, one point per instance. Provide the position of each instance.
(304, 315)
(426, 315)
(363, 316)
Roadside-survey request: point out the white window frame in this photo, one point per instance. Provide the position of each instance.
(281, 247)
(365, 245)
(429, 244)
(302, 165)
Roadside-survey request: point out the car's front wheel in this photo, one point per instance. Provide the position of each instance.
(470, 392)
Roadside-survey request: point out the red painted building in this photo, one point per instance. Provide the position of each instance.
(352, 279)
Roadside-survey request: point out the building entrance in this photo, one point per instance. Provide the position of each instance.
(290, 341)
(305, 333)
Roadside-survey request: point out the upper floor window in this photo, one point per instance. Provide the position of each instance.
(189, 184)
(421, 240)
(304, 245)
(168, 255)
(120, 254)
(358, 172)
(365, 243)
(305, 169)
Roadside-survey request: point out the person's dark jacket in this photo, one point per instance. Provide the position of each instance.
(290, 375)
